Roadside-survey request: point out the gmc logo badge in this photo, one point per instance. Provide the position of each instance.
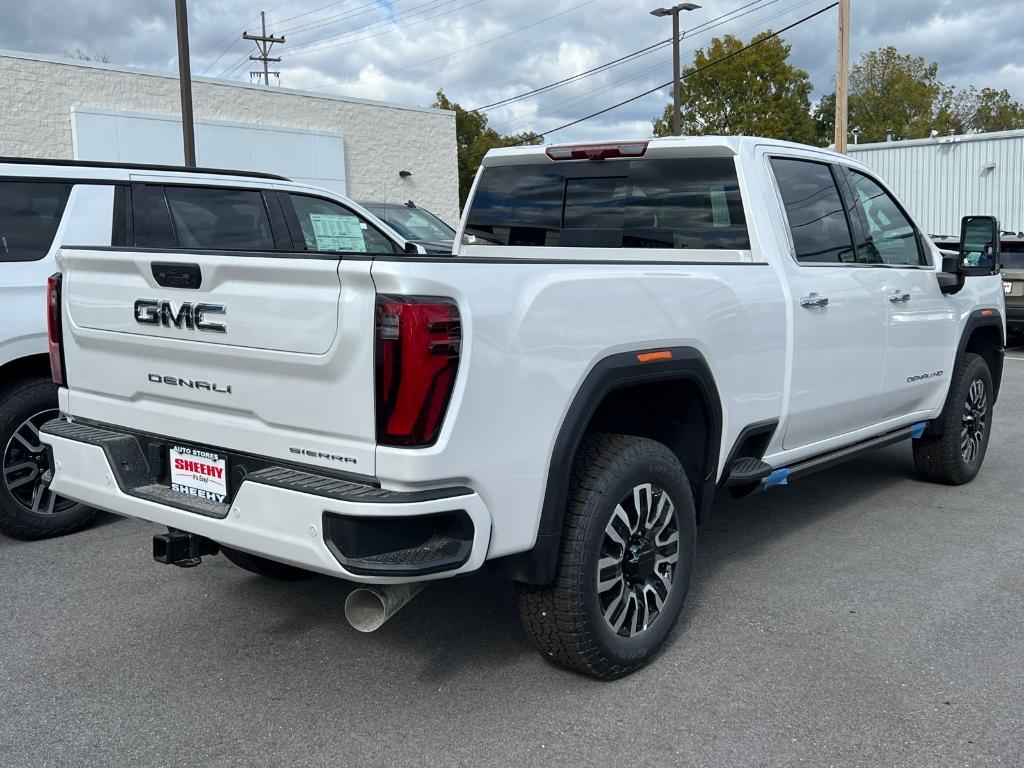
(191, 317)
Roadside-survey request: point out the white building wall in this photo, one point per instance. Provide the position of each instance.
(37, 95)
(943, 179)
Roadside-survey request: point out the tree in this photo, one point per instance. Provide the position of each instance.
(474, 138)
(756, 92)
(81, 55)
(825, 119)
(893, 91)
(969, 110)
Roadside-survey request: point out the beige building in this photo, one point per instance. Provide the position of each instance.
(368, 150)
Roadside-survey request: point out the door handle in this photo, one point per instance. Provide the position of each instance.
(899, 297)
(813, 300)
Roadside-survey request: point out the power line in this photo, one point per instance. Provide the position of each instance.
(314, 46)
(461, 50)
(615, 62)
(690, 73)
(503, 127)
(636, 54)
(328, 21)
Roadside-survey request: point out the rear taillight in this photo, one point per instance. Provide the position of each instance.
(55, 328)
(418, 345)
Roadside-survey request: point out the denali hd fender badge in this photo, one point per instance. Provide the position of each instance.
(191, 317)
(174, 381)
(923, 376)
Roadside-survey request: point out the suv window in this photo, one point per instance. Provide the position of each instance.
(30, 212)
(220, 219)
(151, 218)
(1013, 255)
(817, 219)
(889, 236)
(327, 226)
(206, 218)
(683, 203)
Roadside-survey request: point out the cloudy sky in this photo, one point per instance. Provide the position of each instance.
(483, 51)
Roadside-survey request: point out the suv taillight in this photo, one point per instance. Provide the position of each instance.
(55, 329)
(417, 356)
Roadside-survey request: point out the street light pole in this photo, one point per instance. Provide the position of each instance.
(676, 64)
(188, 134)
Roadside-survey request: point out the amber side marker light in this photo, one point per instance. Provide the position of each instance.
(986, 313)
(650, 357)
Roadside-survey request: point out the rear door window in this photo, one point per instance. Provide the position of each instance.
(687, 203)
(214, 218)
(200, 218)
(817, 219)
(30, 213)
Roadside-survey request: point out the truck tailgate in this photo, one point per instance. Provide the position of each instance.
(269, 355)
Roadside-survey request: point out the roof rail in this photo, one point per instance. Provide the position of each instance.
(136, 167)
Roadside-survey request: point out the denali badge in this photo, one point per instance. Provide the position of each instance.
(174, 381)
(921, 376)
(191, 317)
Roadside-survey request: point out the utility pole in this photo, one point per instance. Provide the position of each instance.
(676, 66)
(264, 43)
(188, 132)
(842, 76)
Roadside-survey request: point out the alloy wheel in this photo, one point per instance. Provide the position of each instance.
(975, 420)
(639, 553)
(26, 468)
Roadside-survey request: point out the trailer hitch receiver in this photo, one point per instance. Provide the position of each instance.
(182, 549)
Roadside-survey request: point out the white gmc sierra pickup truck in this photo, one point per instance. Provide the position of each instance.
(623, 329)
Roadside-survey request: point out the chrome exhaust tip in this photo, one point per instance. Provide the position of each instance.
(368, 608)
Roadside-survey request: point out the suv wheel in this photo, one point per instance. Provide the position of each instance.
(626, 559)
(955, 456)
(28, 509)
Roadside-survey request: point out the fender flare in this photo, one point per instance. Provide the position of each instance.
(979, 318)
(624, 369)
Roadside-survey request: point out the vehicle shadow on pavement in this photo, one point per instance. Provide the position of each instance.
(473, 622)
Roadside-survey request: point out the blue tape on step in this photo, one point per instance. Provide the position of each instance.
(778, 477)
(918, 430)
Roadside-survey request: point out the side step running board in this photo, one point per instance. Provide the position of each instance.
(746, 471)
(783, 475)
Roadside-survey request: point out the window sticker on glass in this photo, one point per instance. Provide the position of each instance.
(719, 206)
(335, 232)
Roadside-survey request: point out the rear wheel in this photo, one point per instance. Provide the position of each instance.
(28, 509)
(265, 567)
(955, 456)
(626, 559)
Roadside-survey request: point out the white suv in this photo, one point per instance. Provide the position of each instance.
(34, 196)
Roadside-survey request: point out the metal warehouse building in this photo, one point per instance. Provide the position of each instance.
(947, 177)
(64, 108)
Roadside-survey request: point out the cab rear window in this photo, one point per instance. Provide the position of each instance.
(690, 203)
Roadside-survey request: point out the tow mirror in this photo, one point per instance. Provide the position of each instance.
(979, 246)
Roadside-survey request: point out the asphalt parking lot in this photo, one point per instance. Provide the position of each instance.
(857, 618)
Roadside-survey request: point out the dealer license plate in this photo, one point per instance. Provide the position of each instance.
(1007, 287)
(199, 473)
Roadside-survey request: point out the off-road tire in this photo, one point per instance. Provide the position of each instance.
(18, 403)
(265, 567)
(564, 619)
(939, 458)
